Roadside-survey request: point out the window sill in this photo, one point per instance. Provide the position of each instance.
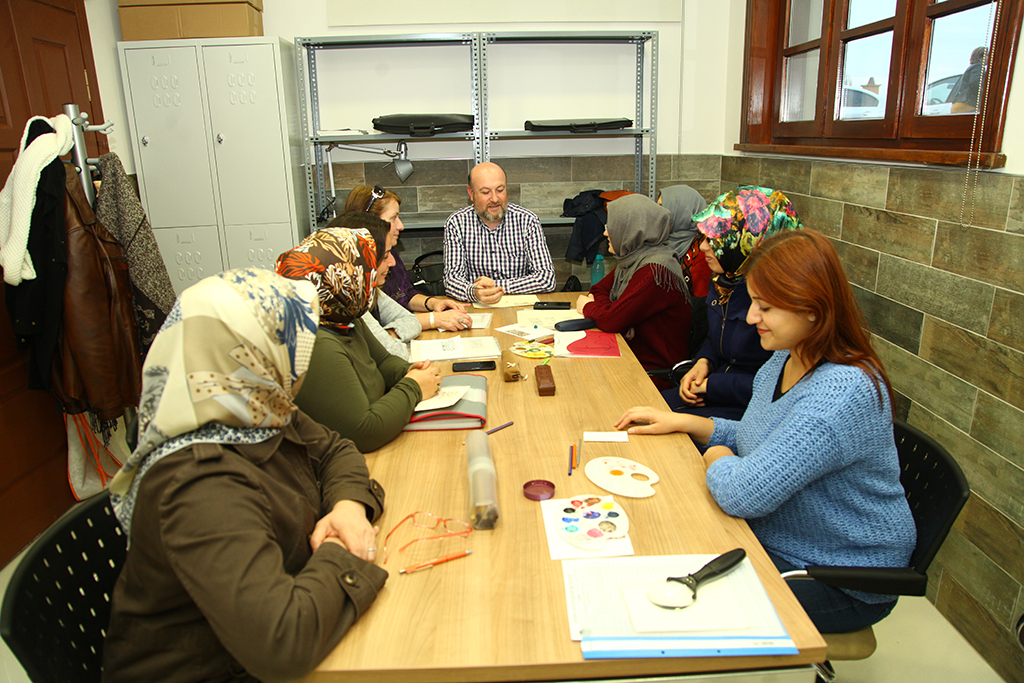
(987, 160)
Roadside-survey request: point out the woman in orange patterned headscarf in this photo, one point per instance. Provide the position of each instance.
(354, 386)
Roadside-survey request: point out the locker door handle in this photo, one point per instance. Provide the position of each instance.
(145, 141)
(220, 139)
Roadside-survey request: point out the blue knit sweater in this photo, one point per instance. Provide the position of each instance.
(816, 472)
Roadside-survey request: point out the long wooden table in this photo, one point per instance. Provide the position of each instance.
(500, 613)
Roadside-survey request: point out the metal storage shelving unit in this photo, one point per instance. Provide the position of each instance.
(638, 132)
(317, 143)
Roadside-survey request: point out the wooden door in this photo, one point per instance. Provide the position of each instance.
(45, 61)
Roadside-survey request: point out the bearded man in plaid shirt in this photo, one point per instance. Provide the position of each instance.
(492, 247)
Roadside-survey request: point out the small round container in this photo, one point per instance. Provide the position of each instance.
(539, 489)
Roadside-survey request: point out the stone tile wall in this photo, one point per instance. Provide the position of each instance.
(945, 304)
(944, 301)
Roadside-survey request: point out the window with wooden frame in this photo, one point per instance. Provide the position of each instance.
(899, 80)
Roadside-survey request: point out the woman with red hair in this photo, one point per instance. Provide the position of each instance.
(812, 465)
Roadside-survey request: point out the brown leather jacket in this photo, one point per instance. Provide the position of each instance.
(97, 366)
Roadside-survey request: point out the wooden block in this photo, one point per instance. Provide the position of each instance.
(509, 366)
(545, 380)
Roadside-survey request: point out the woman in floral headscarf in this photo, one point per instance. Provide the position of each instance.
(354, 386)
(722, 378)
(243, 514)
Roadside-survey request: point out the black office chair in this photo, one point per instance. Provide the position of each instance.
(674, 374)
(936, 490)
(57, 606)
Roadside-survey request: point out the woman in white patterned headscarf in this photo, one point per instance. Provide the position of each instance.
(250, 525)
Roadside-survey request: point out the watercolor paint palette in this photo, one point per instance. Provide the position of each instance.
(589, 522)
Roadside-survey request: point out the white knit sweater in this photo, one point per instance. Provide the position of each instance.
(18, 198)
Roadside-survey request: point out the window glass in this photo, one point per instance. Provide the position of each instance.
(864, 12)
(956, 61)
(801, 87)
(865, 77)
(804, 21)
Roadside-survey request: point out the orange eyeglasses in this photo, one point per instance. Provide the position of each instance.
(426, 520)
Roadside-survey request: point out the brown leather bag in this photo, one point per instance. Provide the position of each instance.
(97, 366)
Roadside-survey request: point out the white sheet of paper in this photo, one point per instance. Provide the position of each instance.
(528, 317)
(454, 348)
(448, 396)
(596, 599)
(715, 609)
(561, 549)
(511, 301)
(616, 437)
(481, 320)
(527, 332)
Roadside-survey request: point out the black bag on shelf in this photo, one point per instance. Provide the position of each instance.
(423, 125)
(428, 278)
(577, 125)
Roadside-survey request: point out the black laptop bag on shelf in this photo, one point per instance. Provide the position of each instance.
(423, 125)
(577, 125)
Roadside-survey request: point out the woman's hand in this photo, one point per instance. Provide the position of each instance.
(583, 300)
(694, 384)
(427, 376)
(657, 421)
(446, 304)
(453, 321)
(346, 525)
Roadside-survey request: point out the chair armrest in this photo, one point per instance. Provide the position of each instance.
(679, 370)
(883, 580)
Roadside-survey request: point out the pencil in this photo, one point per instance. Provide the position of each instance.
(570, 460)
(579, 452)
(507, 424)
(546, 360)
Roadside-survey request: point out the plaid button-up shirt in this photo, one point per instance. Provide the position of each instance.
(514, 255)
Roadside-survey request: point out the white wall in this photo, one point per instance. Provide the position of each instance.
(700, 71)
(696, 86)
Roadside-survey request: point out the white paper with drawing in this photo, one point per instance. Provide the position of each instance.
(454, 348)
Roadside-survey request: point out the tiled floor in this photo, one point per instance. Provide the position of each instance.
(915, 645)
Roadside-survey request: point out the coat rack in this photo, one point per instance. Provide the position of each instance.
(80, 121)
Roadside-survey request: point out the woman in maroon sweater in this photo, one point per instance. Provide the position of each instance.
(644, 298)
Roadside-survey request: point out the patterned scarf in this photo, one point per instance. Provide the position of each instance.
(342, 263)
(736, 223)
(221, 370)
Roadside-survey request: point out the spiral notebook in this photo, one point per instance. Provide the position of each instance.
(469, 412)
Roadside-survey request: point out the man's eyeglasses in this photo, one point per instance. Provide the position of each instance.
(425, 520)
(376, 193)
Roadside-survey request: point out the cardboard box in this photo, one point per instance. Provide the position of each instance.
(258, 4)
(190, 20)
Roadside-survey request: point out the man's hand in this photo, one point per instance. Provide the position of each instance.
(486, 291)
(347, 525)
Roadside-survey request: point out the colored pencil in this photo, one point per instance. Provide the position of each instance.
(507, 424)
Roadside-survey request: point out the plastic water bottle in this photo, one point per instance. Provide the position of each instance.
(597, 270)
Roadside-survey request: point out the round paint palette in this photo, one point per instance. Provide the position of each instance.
(622, 477)
(532, 349)
(589, 522)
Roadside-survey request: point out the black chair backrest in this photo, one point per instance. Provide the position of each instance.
(936, 490)
(57, 606)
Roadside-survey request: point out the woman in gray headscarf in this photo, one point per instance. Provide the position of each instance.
(644, 298)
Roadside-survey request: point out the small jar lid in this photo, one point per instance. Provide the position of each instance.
(539, 489)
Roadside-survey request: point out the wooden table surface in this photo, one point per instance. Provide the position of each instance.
(500, 613)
